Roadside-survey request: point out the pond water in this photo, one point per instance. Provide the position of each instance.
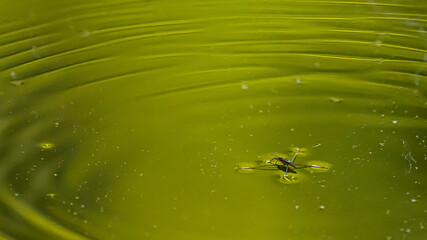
(125, 119)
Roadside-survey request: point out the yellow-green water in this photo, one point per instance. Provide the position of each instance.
(125, 119)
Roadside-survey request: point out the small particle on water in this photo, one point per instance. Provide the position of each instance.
(55, 174)
(16, 83)
(244, 86)
(13, 75)
(413, 200)
(292, 129)
(322, 207)
(47, 145)
(298, 80)
(85, 33)
(394, 122)
(296, 207)
(335, 100)
(35, 52)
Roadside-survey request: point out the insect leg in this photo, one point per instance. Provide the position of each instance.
(287, 166)
(286, 173)
(295, 155)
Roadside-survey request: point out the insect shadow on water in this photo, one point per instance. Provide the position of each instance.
(285, 165)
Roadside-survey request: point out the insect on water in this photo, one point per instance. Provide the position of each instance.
(286, 165)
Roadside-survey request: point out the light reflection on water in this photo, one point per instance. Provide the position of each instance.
(127, 119)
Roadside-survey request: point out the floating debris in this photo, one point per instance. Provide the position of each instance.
(16, 82)
(411, 160)
(244, 86)
(335, 100)
(47, 145)
(85, 33)
(13, 75)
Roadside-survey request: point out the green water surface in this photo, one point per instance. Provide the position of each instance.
(126, 119)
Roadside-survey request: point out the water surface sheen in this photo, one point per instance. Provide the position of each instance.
(125, 119)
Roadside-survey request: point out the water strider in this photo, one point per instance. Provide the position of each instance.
(286, 165)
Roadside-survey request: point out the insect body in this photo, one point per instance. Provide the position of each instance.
(285, 162)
